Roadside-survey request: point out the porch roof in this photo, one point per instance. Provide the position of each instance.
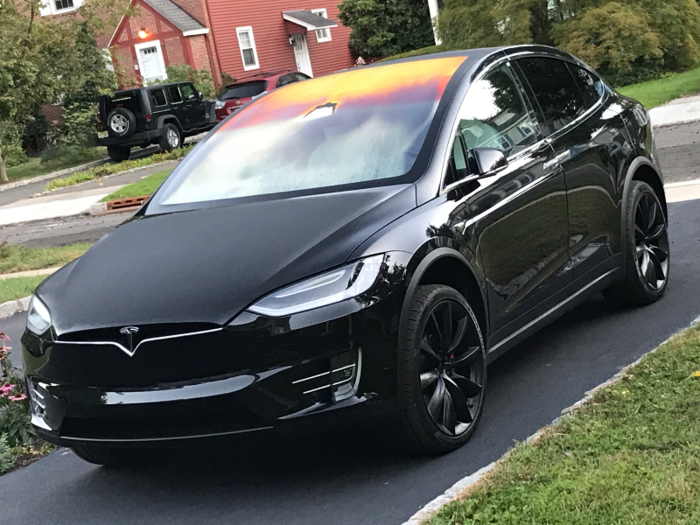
(309, 20)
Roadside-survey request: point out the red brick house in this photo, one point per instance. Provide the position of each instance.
(239, 39)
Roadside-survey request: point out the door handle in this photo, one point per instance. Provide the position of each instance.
(552, 165)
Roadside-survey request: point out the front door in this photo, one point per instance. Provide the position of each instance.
(301, 54)
(193, 107)
(518, 214)
(151, 62)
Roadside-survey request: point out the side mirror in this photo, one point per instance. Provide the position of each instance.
(488, 160)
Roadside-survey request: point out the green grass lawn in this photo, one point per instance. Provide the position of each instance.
(16, 258)
(109, 169)
(632, 456)
(657, 92)
(18, 287)
(145, 186)
(36, 166)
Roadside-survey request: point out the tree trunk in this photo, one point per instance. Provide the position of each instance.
(3, 172)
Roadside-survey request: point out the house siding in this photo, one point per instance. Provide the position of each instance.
(271, 35)
(174, 45)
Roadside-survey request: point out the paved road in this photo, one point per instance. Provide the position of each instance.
(356, 478)
(678, 152)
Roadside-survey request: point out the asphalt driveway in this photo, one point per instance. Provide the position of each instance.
(356, 477)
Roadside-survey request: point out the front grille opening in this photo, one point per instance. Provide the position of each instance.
(159, 427)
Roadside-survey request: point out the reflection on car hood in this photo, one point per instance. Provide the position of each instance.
(207, 265)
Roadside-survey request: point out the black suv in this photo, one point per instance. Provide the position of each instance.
(164, 114)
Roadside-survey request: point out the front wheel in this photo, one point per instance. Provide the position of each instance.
(171, 138)
(647, 249)
(111, 457)
(442, 371)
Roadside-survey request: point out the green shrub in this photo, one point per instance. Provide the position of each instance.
(201, 78)
(382, 28)
(7, 460)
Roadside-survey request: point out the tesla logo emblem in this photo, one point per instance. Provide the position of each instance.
(129, 332)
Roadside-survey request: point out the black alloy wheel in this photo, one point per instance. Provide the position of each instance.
(647, 251)
(651, 241)
(444, 401)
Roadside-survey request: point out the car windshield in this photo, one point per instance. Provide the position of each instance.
(245, 90)
(359, 126)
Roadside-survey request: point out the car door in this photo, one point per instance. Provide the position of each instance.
(516, 215)
(193, 107)
(590, 147)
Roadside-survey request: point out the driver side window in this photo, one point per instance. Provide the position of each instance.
(494, 115)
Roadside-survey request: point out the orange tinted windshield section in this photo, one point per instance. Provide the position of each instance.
(419, 81)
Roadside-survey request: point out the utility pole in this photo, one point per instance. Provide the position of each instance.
(434, 7)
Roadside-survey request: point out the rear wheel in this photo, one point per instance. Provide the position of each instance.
(647, 249)
(171, 138)
(112, 457)
(442, 371)
(119, 153)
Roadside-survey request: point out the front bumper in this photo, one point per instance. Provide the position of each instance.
(145, 137)
(257, 373)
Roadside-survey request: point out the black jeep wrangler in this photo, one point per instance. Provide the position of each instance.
(164, 114)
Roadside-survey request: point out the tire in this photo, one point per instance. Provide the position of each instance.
(119, 153)
(121, 123)
(171, 138)
(424, 423)
(647, 253)
(111, 457)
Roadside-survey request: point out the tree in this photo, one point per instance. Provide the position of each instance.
(47, 61)
(627, 40)
(386, 27)
(611, 38)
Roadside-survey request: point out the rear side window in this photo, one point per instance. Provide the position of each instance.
(284, 80)
(555, 90)
(244, 90)
(494, 114)
(300, 76)
(175, 96)
(158, 98)
(591, 87)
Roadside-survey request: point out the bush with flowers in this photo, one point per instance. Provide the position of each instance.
(16, 433)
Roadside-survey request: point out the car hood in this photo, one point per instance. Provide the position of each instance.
(207, 265)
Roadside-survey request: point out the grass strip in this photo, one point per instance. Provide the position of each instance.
(17, 258)
(631, 456)
(109, 169)
(41, 166)
(19, 287)
(657, 92)
(145, 186)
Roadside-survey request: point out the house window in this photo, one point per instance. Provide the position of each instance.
(246, 41)
(64, 4)
(322, 35)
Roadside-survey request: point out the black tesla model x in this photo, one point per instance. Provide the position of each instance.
(355, 245)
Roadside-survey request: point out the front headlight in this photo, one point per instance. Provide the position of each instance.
(38, 317)
(328, 288)
(219, 104)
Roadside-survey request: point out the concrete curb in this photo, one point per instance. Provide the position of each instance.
(11, 308)
(460, 488)
(54, 175)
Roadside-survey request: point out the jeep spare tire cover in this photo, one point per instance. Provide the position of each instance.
(121, 122)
